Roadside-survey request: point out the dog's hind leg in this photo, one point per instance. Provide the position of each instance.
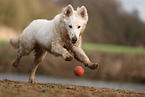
(21, 52)
(39, 57)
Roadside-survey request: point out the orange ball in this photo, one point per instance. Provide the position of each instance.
(78, 71)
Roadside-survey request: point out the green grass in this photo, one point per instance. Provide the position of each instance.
(4, 42)
(118, 49)
(113, 48)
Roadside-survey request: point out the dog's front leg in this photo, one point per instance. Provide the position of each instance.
(80, 55)
(59, 50)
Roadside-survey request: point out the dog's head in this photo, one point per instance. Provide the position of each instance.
(75, 21)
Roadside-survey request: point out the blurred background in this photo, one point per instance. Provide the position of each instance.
(114, 37)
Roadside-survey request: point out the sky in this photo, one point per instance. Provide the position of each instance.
(130, 5)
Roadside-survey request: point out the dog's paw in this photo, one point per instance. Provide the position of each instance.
(32, 81)
(69, 57)
(92, 66)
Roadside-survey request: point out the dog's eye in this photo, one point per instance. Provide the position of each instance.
(70, 26)
(79, 26)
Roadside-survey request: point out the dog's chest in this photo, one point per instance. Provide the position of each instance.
(68, 44)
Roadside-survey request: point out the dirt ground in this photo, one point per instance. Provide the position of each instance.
(10, 88)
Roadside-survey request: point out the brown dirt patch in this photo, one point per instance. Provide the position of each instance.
(10, 88)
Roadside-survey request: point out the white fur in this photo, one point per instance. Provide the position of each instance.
(55, 36)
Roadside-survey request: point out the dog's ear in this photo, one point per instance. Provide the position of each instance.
(83, 12)
(68, 11)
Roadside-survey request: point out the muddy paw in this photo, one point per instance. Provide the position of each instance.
(32, 81)
(92, 66)
(69, 58)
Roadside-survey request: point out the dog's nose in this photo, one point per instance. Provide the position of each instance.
(74, 39)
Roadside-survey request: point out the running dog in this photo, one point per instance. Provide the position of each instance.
(61, 36)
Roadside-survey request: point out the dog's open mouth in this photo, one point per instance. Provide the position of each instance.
(73, 42)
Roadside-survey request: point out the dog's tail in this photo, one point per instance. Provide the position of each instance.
(15, 42)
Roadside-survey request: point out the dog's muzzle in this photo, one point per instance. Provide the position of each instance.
(74, 39)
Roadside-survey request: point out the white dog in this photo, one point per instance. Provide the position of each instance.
(59, 36)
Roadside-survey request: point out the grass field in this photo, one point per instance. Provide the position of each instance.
(113, 48)
(108, 48)
(4, 42)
